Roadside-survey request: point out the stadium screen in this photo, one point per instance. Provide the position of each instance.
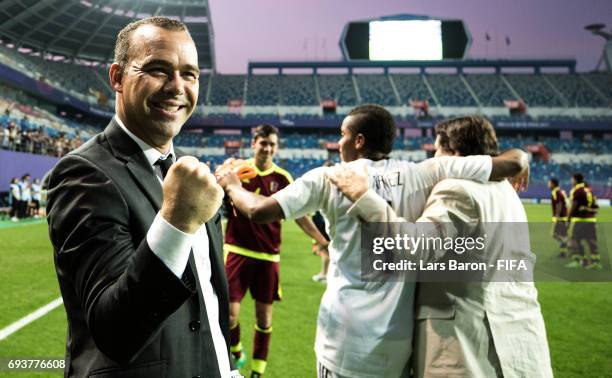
(405, 40)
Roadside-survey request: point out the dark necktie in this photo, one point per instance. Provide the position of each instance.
(163, 165)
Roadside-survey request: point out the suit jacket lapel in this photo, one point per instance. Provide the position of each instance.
(124, 148)
(216, 260)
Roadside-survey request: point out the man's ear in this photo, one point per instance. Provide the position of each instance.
(116, 76)
(359, 142)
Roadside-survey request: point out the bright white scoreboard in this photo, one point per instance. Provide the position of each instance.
(405, 39)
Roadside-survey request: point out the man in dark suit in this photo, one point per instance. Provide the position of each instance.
(138, 242)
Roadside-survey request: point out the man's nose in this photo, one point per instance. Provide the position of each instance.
(175, 84)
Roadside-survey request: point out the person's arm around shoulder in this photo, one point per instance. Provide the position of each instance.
(258, 208)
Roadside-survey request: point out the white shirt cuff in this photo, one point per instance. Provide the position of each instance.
(170, 244)
(368, 206)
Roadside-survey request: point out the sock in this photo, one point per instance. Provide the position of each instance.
(235, 344)
(261, 343)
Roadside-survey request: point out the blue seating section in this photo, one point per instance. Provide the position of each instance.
(263, 90)
(339, 88)
(376, 89)
(450, 90)
(577, 91)
(593, 90)
(298, 90)
(412, 87)
(226, 87)
(603, 83)
(534, 90)
(490, 89)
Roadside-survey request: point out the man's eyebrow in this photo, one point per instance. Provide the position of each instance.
(161, 62)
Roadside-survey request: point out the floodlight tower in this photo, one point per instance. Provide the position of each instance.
(606, 54)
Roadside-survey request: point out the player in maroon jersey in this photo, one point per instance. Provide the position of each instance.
(583, 224)
(253, 252)
(558, 200)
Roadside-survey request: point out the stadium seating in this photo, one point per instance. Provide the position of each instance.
(490, 89)
(577, 91)
(376, 89)
(226, 87)
(263, 90)
(411, 87)
(450, 90)
(603, 83)
(298, 90)
(339, 88)
(535, 90)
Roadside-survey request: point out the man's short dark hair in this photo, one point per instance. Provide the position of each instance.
(470, 135)
(554, 181)
(264, 131)
(578, 177)
(122, 45)
(377, 125)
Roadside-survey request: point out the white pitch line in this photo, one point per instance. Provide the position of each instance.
(29, 318)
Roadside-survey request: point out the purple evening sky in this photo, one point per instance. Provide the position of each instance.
(265, 30)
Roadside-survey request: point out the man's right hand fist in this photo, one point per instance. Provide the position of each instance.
(191, 195)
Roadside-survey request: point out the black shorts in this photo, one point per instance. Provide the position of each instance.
(560, 229)
(583, 231)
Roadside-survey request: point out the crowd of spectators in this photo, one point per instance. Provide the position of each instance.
(24, 198)
(25, 136)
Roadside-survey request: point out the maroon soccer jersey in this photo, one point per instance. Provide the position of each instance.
(583, 202)
(260, 241)
(558, 200)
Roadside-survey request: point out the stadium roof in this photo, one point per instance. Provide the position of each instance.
(87, 29)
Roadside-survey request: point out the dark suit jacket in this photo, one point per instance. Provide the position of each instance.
(128, 314)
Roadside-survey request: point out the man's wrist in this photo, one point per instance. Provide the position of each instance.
(171, 219)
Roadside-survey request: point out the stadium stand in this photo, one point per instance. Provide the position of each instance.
(226, 87)
(577, 91)
(412, 87)
(339, 88)
(535, 90)
(490, 89)
(603, 84)
(376, 89)
(298, 90)
(450, 90)
(263, 90)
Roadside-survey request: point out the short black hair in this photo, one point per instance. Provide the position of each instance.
(554, 181)
(376, 124)
(469, 135)
(122, 45)
(578, 177)
(264, 131)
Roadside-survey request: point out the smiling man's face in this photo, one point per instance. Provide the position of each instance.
(158, 89)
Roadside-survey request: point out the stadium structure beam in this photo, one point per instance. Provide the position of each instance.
(17, 18)
(137, 4)
(537, 65)
(47, 18)
(74, 22)
(136, 8)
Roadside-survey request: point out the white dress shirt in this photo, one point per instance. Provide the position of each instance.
(173, 246)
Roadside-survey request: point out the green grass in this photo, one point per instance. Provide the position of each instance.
(577, 315)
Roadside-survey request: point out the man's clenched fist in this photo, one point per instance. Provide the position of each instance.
(191, 195)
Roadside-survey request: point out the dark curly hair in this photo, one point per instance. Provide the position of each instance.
(377, 125)
(469, 135)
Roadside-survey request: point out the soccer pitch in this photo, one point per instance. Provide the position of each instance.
(577, 315)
